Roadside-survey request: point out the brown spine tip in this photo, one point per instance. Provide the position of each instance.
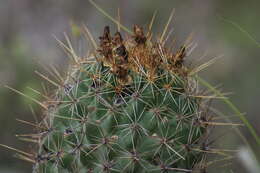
(105, 44)
(139, 35)
(178, 58)
(106, 34)
(120, 48)
(117, 40)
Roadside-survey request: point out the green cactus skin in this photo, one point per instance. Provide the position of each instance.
(129, 107)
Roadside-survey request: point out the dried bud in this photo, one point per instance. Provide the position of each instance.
(139, 35)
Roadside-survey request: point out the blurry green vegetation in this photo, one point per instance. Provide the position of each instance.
(238, 26)
(16, 70)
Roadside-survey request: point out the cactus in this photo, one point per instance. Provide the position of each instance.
(132, 105)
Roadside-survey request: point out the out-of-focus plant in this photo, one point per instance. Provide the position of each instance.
(16, 69)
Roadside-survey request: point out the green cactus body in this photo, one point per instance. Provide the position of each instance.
(128, 107)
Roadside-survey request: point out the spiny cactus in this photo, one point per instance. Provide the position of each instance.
(130, 106)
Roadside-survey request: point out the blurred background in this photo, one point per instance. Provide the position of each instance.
(27, 44)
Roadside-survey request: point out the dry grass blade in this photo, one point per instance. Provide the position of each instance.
(151, 25)
(89, 36)
(28, 123)
(110, 17)
(167, 26)
(205, 65)
(221, 124)
(16, 150)
(34, 100)
(47, 79)
(233, 108)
